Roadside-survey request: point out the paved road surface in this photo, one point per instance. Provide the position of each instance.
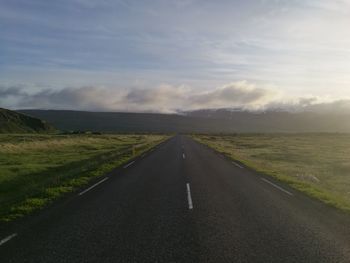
(181, 202)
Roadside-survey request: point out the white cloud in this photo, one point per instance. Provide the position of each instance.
(167, 99)
(236, 94)
(163, 98)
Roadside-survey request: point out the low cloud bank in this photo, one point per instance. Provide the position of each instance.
(165, 98)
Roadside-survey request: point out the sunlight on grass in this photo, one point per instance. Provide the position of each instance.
(317, 164)
(37, 169)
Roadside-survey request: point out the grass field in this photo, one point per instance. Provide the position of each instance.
(37, 169)
(317, 164)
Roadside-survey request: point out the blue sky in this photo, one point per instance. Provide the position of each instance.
(185, 49)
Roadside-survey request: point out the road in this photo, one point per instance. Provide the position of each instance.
(182, 202)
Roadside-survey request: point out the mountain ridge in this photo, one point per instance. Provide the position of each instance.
(220, 121)
(16, 122)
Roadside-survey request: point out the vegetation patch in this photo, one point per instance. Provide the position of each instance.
(15, 122)
(37, 169)
(316, 164)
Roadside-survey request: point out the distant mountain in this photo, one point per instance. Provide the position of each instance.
(15, 122)
(278, 120)
(119, 122)
(202, 121)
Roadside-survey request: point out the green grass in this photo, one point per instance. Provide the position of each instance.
(37, 169)
(316, 164)
(15, 122)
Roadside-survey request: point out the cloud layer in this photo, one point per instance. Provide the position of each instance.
(299, 46)
(166, 99)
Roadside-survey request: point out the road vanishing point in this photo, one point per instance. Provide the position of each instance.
(181, 202)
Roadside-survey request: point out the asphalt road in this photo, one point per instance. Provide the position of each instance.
(182, 202)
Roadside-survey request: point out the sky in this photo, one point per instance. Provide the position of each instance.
(166, 55)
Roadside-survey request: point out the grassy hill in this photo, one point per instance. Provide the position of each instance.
(15, 122)
(207, 121)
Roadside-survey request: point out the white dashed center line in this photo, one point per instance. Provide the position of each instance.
(183, 156)
(190, 204)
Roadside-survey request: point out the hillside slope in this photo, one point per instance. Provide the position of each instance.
(15, 122)
(200, 121)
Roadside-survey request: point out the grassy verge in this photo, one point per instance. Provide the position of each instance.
(37, 169)
(316, 164)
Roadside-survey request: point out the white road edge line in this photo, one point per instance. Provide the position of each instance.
(190, 204)
(6, 239)
(183, 156)
(238, 165)
(126, 166)
(276, 186)
(93, 186)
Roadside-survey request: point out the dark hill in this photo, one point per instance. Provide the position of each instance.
(15, 122)
(120, 122)
(205, 121)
